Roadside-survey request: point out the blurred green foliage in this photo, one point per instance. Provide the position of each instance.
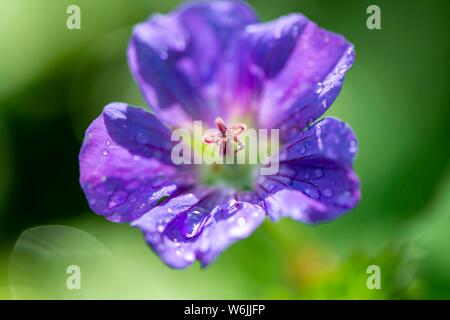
(53, 82)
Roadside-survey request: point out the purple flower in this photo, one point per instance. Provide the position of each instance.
(214, 59)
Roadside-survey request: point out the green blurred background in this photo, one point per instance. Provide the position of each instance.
(54, 82)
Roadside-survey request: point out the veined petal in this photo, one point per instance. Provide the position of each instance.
(178, 59)
(303, 67)
(315, 182)
(125, 166)
(328, 140)
(198, 226)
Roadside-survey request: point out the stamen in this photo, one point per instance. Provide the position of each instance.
(224, 136)
(221, 125)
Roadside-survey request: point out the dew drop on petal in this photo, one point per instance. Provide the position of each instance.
(204, 246)
(295, 32)
(241, 221)
(118, 198)
(189, 256)
(163, 55)
(318, 173)
(353, 146)
(345, 199)
(194, 230)
(312, 193)
(141, 138)
(327, 192)
(277, 34)
(319, 88)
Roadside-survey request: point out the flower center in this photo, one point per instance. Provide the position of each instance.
(227, 139)
(227, 144)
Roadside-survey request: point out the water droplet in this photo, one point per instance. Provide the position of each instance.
(204, 246)
(196, 230)
(108, 143)
(303, 150)
(312, 193)
(325, 103)
(118, 198)
(160, 228)
(104, 152)
(241, 221)
(189, 256)
(232, 206)
(318, 173)
(295, 32)
(251, 28)
(319, 88)
(277, 34)
(328, 193)
(345, 199)
(142, 138)
(178, 253)
(353, 146)
(163, 55)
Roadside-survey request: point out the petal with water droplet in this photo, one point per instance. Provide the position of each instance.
(198, 226)
(136, 170)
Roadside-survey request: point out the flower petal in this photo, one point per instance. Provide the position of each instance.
(302, 68)
(315, 182)
(125, 164)
(198, 226)
(178, 59)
